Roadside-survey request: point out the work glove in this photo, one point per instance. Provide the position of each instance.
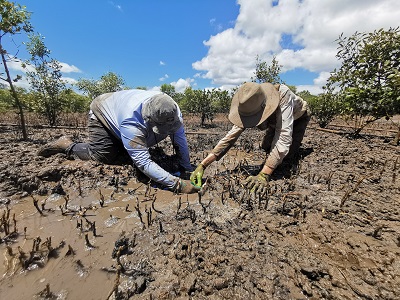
(197, 176)
(186, 187)
(258, 184)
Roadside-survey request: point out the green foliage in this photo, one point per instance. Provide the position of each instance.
(75, 103)
(306, 95)
(89, 87)
(267, 73)
(168, 89)
(14, 20)
(45, 80)
(293, 88)
(109, 82)
(199, 102)
(369, 78)
(222, 101)
(205, 103)
(324, 107)
(179, 98)
(6, 100)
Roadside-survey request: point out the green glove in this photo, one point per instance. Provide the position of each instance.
(258, 184)
(197, 175)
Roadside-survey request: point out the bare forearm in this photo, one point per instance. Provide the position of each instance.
(227, 142)
(267, 170)
(209, 160)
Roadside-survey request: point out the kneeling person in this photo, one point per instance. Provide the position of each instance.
(274, 109)
(131, 121)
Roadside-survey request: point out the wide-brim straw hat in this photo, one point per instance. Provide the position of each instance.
(253, 103)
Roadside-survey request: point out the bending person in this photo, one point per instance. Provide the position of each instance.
(276, 110)
(131, 121)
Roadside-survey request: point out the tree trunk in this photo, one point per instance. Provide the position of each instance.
(397, 138)
(203, 119)
(15, 96)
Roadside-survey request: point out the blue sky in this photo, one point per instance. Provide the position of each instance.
(200, 43)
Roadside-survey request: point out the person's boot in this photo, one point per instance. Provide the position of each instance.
(58, 146)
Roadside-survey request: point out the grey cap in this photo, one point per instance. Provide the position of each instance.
(163, 114)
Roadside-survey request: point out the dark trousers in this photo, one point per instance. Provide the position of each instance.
(299, 129)
(102, 146)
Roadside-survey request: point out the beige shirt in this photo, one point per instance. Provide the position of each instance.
(290, 108)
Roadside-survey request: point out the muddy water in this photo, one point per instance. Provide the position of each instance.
(67, 223)
(328, 229)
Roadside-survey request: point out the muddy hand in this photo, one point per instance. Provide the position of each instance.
(186, 187)
(258, 184)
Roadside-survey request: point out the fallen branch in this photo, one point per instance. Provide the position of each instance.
(328, 130)
(365, 129)
(37, 126)
(204, 132)
(345, 132)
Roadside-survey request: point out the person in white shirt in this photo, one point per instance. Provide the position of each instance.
(274, 108)
(132, 121)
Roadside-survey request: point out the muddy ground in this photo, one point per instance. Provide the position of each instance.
(329, 229)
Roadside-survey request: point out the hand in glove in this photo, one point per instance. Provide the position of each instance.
(197, 175)
(258, 184)
(186, 187)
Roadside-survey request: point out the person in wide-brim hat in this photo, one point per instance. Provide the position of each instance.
(274, 108)
(252, 104)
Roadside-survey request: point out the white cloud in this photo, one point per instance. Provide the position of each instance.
(182, 84)
(313, 25)
(22, 83)
(66, 68)
(164, 77)
(154, 88)
(322, 78)
(218, 27)
(69, 80)
(313, 89)
(197, 75)
(162, 63)
(16, 68)
(117, 6)
(319, 82)
(16, 65)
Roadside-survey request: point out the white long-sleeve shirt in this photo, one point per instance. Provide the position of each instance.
(290, 108)
(121, 113)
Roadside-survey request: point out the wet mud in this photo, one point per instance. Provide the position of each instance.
(329, 227)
